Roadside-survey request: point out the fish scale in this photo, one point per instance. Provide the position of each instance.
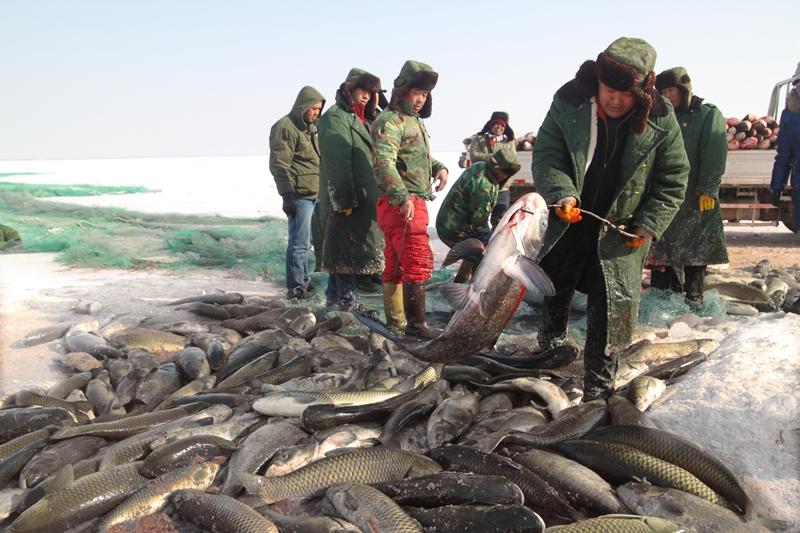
(220, 513)
(153, 496)
(128, 426)
(22, 441)
(86, 498)
(621, 460)
(681, 452)
(370, 509)
(363, 465)
(615, 524)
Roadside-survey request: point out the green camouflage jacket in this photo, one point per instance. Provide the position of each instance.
(468, 204)
(403, 161)
(479, 150)
(293, 150)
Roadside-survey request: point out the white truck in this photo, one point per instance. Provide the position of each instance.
(744, 193)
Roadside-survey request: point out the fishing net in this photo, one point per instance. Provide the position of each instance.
(658, 307)
(114, 237)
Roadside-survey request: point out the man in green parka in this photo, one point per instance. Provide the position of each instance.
(406, 172)
(610, 145)
(466, 209)
(294, 163)
(347, 240)
(695, 238)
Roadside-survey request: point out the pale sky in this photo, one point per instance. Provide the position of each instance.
(106, 78)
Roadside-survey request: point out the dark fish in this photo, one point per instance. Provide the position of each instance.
(221, 513)
(624, 413)
(86, 498)
(182, 452)
(418, 406)
(127, 426)
(463, 373)
(472, 518)
(370, 509)
(257, 449)
(572, 423)
(91, 343)
(58, 455)
(16, 444)
(41, 335)
(557, 357)
(306, 524)
(193, 362)
(206, 310)
(244, 354)
(18, 421)
(678, 367)
(579, 485)
(681, 452)
(362, 465)
(618, 461)
(212, 298)
(538, 494)
(65, 386)
(11, 465)
(452, 488)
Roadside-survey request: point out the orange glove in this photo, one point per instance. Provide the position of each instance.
(643, 237)
(567, 211)
(706, 202)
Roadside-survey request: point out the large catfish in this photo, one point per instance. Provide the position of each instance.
(486, 305)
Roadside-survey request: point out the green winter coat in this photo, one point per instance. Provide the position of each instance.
(467, 206)
(650, 189)
(346, 244)
(293, 150)
(479, 150)
(696, 238)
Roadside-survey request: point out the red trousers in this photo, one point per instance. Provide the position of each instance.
(407, 252)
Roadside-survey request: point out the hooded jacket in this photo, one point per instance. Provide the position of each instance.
(293, 149)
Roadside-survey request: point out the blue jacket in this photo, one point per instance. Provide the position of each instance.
(788, 156)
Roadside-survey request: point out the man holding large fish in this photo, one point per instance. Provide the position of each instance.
(609, 145)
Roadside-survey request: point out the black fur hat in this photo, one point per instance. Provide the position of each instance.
(499, 115)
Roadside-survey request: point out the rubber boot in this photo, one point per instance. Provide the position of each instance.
(414, 306)
(694, 285)
(464, 274)
(393, 306)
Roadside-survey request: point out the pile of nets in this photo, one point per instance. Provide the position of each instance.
(114, 237)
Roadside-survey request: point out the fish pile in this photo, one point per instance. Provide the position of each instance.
(751, 132)
(767, 290)
(257, 416)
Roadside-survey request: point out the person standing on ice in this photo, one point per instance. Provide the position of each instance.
(496, 135)
(294, 163)
(406, 171)
(466, 209)
(347, 240)
(787, 157)
(611, 145)
(695, 238)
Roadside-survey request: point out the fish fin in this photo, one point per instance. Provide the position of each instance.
(455, 294)
(338, 451)
(468, 248)
(525, 271)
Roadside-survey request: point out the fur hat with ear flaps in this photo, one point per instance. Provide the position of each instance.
(626, 65)
(677, 77)
(359, 78)
(414, 75)
(499, 115)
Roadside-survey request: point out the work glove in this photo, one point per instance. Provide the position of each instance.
(776, 198)
(643, 237)
(706, 203)
(288, 205)
(345, 212)
(567, 211)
